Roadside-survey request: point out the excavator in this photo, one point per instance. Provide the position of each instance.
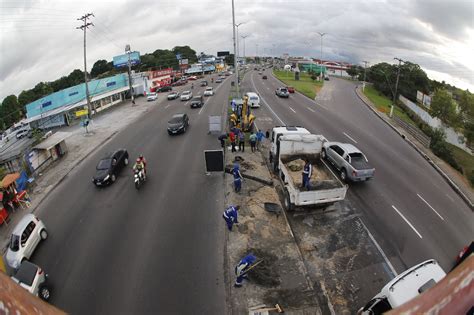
(242, 118)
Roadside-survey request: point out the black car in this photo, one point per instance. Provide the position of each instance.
(108, 168)
(203, 83)
(164, 89)
(178, 124)
(197, 101)
(264, 77)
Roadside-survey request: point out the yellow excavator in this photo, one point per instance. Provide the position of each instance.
(246, 119)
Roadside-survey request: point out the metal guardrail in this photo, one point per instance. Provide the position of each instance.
(415, 132)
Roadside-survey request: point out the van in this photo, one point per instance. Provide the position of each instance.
(405, 287)
(253, 99)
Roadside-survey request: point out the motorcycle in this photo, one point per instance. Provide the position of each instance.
(139, 178)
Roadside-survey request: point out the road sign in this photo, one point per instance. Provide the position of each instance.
(81, 112)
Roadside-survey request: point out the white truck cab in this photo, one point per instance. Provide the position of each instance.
(405, 287)
(253, 99)
(279, 131)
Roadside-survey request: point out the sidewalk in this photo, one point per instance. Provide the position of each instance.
(80, 145)
(454, 179)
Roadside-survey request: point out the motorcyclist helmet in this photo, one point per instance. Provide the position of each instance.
(140, 156)
(138, 160)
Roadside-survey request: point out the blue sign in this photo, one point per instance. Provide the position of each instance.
(122, 60)
(111, 83)
(46, 104)
(178, 56)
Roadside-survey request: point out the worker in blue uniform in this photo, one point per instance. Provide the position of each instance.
(230, 216)
(242, 268)
(307, 172)
(237, 177)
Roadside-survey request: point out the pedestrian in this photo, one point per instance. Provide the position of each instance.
(222, 138)
(242, 141)
(260, 137)
(307, 172)
(232, 140)
(237, 177)
(242, 268)
(230, 216)
(267, 134)
(253, 141)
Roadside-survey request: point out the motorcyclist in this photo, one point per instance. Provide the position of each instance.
(140, 165)
(192, 85)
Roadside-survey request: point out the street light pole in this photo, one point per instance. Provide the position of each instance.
(128, 52)
(321, 60)
(244, 37)
(365, 71)
(396, 85)
(235, 48)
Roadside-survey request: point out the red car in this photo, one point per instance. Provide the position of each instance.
(192, 78)
(290, 89)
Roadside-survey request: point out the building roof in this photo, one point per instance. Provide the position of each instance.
(52, 140)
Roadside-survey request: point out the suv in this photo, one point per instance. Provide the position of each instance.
(186, 95)
(282, 92)
(25, 237)
(197, 101)
(405, 287)
(33, 279)
(178, 123)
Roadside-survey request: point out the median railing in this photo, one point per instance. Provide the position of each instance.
(412, 130)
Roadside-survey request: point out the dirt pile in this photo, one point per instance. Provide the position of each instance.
(264, 273)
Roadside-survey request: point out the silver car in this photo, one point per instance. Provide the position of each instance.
(25, 237)
(350, 161)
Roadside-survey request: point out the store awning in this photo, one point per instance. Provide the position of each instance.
(51, 141)
(9, 179)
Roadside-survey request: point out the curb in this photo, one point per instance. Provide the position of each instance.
(72, 168)
(412, 144)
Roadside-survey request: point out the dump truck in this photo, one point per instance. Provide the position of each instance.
(290, 149)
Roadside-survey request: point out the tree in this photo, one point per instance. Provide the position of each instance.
(466, 105)
(353, 71)
(99, 67)
(186, 53)
(76, 77)
(10, 111)
(229, 59)
(444, 108)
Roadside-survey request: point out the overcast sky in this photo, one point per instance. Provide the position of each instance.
(39, 40)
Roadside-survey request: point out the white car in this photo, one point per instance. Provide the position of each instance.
(33, 279)
(24, 239)
(151, 96)
(209, 91)
(186, 95)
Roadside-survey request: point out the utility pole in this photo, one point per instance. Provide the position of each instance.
(365, 71)
(84, 27)
(235, 48)
(396, 85)
(256, 52)
(128, 52)
(244, 37)
(321, 62)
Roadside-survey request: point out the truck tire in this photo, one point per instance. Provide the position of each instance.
(288, 205)
(343, 175)
(270, 157)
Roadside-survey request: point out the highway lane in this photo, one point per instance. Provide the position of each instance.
(410, 209)
(157, 250)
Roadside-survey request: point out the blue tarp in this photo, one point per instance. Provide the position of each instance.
(22, 181)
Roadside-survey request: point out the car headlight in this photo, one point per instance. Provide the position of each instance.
(106, 177)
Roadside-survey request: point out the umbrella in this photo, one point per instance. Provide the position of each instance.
(9, 179)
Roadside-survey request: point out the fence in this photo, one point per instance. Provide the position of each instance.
(415, 132)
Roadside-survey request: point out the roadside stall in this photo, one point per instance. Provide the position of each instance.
(11, 197)
(3, 210)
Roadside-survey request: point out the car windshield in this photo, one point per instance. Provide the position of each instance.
(197, 98)
(209, 89)
(14, 243)
(186, 92)
(284, 90)
(104, 164)
(176, 120)
(254, 98)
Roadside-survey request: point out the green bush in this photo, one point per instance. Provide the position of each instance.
(439, 147)
(471, 178)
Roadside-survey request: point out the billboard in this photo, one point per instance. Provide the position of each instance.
(222, 53)
(183, 61)
(122, 60)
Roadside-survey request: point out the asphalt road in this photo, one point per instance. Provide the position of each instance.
(158, 250)
(412, 212)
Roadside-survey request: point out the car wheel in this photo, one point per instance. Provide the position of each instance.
(125, 162)
(343, 175)
(113, 178)
(44, 234)
(323, 154)
(44, 292)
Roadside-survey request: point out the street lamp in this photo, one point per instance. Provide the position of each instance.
(244, 37)
(321, 60)
(237, 34)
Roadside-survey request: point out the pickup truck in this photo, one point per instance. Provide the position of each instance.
(292, 145)
(350, 161)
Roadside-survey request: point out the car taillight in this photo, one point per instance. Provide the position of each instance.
(354, 173)
(40, 271)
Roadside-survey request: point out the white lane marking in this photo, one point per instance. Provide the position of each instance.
(389, 264)
(292, 109)
(408, 222)
(345, 134)
(268, 88)
(311, 109)
(450, 197)
(430, 207)
(167, 106)
(186, 104)
(263, 100)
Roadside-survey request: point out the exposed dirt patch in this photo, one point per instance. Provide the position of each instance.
(264, 273)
